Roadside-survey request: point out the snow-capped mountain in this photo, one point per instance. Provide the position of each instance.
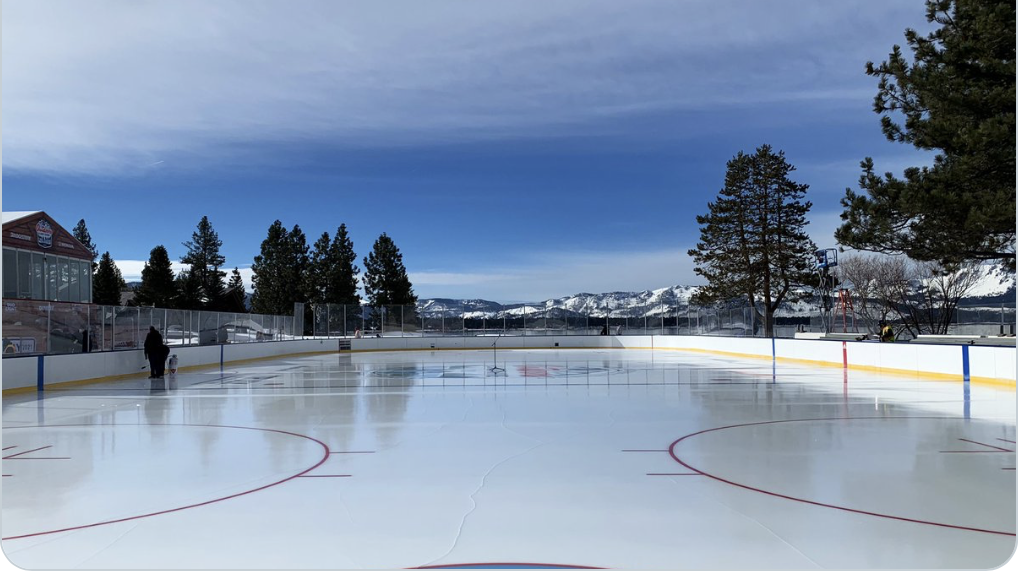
(993, 286)
(662, 301)
(992, 283)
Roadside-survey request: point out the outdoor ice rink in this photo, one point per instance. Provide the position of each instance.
(624, 459)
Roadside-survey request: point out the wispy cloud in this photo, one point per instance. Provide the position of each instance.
(114, 88)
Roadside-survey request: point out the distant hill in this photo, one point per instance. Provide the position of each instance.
(992, 289)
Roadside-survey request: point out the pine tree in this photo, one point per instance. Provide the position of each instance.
(271, 278)
(281, 273)
(343, 271)
(233, 300)
(157, 281)
(956, 95)
(385, 278)
(753, 243)
(108, 282)
(332, 272)
(205, 260)
(319, 263)
(189, 291)
(297, 276)
(80, 233)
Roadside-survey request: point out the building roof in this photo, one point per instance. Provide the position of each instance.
(28, 229)
(15, 215)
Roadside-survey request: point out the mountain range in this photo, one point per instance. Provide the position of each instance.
(992, 289)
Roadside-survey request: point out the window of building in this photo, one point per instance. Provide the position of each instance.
(63, 280)
(86, 281)
(24, 274)
(38, 276)
(74, 294)
(51, 278)
(10, 273)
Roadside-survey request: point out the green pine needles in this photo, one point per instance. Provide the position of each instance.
(955, 95)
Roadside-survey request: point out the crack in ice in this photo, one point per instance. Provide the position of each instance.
(473, 501)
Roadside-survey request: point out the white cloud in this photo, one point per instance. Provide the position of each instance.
(123, 88)
(131, 270)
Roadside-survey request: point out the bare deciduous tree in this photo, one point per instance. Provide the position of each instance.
(920, 296)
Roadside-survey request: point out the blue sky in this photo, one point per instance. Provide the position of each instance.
(514, 151)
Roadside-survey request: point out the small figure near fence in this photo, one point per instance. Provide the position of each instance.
(86, 341)
(173, 364)
(164, 352)
(604, 330)
(886, 331)
(153, 350)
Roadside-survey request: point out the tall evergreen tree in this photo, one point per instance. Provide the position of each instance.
(188, 291)
(205, 260)
(80, 233)
(343, 271)
(233, 300)
(753, 243)
(385, 278)
(272, 274)
(108, 282)
(300, 264)
(332, 272)
(158, 286)
(319, 262)
(957, 97)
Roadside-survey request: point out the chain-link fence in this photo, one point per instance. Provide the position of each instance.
(37, 327)
(986, 319)
(34, 327)
(335, 320)
(967, 319)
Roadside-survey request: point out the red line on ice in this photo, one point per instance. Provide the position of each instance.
(325, 456)
(671, 451)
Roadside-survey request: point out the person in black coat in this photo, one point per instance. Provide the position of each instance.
(154, 351)
(164, 352)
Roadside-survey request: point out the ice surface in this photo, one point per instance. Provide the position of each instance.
(618, 459)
